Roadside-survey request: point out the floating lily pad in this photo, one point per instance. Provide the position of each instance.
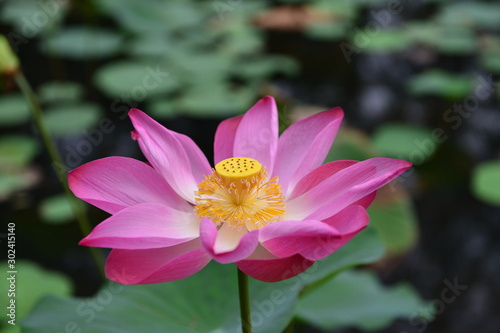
(444, 39)
(486, 182)
(381, 40)
(30, 17)
(71, 119)
(470, 14)
(56, 209)
(14, 110)
(83, 43)
(442, 84)
(17, 151)
(404, 140)
(357, 299)
(393, 217)
(163, 108)
(216, 101)
(59, 91)
(134, 80)
(491, 61)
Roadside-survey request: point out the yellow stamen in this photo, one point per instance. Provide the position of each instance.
(239, 193)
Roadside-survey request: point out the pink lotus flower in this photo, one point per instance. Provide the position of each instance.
(269, 205)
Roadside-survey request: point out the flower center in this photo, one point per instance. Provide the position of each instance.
(239, 193)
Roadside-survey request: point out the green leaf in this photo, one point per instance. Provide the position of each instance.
(364, 248)
(402, 140)
(486, 182)
(382, 41)
(32, 284)
(58, 91)
(357, 299)
(350, 144)
(30, 17)
(163, 108)
(134, 81)
(16, 151)
(14, 110)
(56, 209)
(327, 30)
(205, 302)
(440, 83)
(215, 101)
(470, 14)
(83, 43)
(71, 119)
(445, 39)
(393, 217)
(490, 60)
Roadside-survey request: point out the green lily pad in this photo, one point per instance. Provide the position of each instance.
(350, 144)
(357, 299)
(134, 81)
(404, 140)
(444, 39)
(470, 14)
(163, 108)
(205, 302)
(491, 61)
(442, 84)
(56, 209)
(30, 17)
(486, 182)
(216, 101)
(381, 41)
(83, 43)
(71, 119)
(14, 110)
(32, 284)
(393, 217)
(327, 30)
(17, 151)
(58, 91)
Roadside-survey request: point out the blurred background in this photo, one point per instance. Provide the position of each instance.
(417, 80)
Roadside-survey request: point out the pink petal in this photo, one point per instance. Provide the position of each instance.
(156, 265)
(228, 244)
(224, 138)
(318, 175)
(311, 239)
(144, 226)
(173, 155)
(114, 183)
(323, 172)
(274, 270)
(344, 188)
(257, 134)
(304, 146)
(348, 222)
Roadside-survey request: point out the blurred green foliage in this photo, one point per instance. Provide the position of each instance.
(209, 60)
(32, 285)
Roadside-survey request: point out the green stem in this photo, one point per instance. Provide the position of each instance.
(246, 319)
(77, 208)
